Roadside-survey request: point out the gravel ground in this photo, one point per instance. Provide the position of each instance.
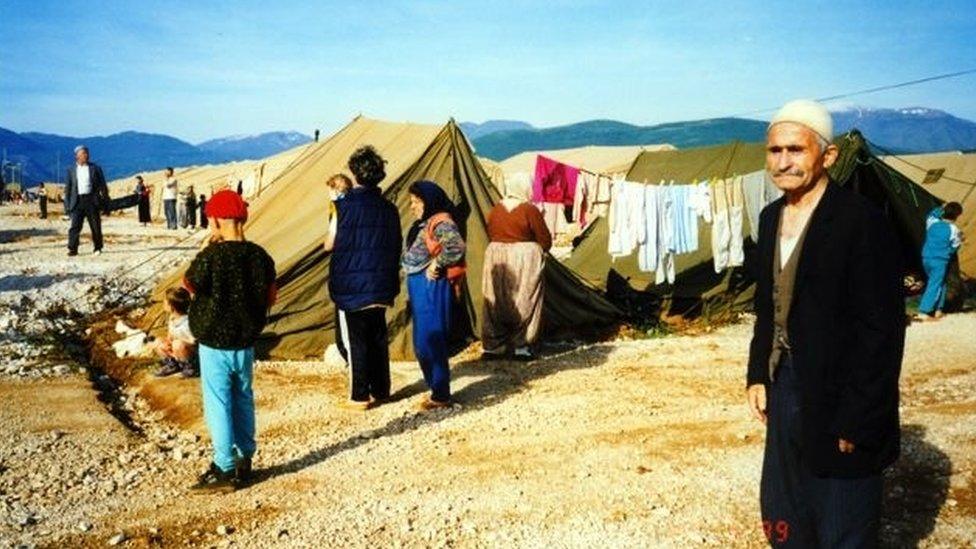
(619, 444)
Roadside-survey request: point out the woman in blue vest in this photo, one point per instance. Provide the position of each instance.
(942, 240)
(434, 264)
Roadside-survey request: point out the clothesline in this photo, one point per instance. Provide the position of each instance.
(659, 222)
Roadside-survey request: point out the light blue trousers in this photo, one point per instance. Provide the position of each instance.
(933, 299)
(228, 402)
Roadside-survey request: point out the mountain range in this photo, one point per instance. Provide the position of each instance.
(905, 130)
(474, 130)
(128, 153)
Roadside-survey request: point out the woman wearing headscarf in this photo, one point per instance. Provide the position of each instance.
(512, 283)
(433, 262)
(144, 191)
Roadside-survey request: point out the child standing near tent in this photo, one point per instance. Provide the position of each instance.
(434, 264)
(233, 286)
(942, 240)
(178, 349)
(339, 184)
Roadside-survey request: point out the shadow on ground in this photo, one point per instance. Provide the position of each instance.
(501, 380)
(16, 235)
(24, 282)
(916, 488)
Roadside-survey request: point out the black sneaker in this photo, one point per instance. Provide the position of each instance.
(72, 253)
(242, 468)
(215, 481)
(168, 368)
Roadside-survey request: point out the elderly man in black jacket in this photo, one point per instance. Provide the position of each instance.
(85, 194)
(827, 348)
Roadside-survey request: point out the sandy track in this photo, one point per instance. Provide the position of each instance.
(628, 443)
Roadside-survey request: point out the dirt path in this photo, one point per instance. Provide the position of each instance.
(622, 444)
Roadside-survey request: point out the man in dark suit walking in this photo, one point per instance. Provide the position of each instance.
(85, 194)
(827, 348)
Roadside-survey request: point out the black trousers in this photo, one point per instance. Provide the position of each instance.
(364, 335)
(86, 208)
(339, 340)
(43, 203)
(798, 508)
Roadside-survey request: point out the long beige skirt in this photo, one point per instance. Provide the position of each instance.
(513, 291)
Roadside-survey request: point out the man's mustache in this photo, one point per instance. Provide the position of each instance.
(793, 172)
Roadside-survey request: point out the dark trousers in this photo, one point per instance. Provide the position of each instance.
(798, 508)
(364, 335)
(169, 208)
(339, 340)
(43, 203)
(86, 208)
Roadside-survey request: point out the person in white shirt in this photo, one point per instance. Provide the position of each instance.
(171, 190)
(85, 194)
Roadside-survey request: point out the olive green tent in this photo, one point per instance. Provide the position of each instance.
(697, 288)
(289, 221)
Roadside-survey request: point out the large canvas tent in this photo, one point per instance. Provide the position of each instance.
(951, 176)
(697, 288)
(289, 221)
(255, 175)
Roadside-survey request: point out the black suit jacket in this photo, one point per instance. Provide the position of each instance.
(99, 187)
(846, 329)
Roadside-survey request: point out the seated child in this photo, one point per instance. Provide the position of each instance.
(179, 348)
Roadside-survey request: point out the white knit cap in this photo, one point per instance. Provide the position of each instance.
(80, 148)
(518, 186)
(807, 113)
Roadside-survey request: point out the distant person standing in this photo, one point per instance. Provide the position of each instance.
(85, 194)
(364, 277)
(42, 200)
(240, 188)
(171, 190)
(191, 207)
(316, 136)
(144, 191)
(3, 186)
(204, 222)
(942, 240)
(181, 214)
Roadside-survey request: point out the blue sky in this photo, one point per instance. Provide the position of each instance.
(199, 70)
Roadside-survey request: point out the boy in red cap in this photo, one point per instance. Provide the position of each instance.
(233, 286)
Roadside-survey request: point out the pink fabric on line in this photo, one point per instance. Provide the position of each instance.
(554, 182)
